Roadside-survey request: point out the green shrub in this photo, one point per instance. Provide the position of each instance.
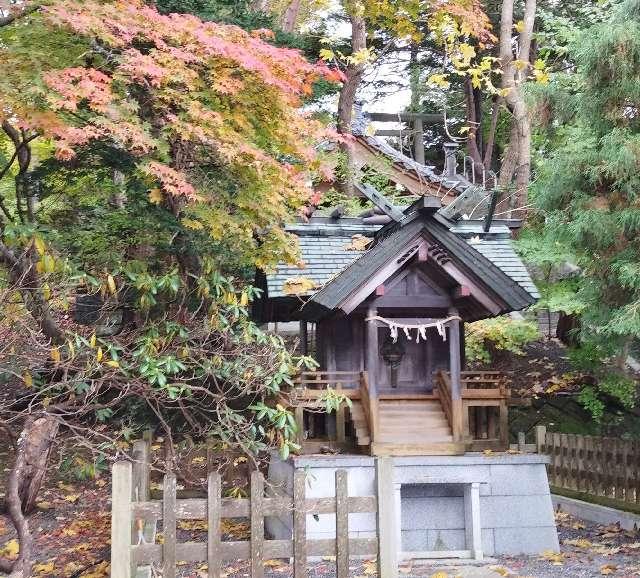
(485, 338)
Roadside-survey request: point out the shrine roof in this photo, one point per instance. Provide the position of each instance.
(330, 258)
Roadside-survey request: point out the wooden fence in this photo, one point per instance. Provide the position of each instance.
(128, 513)
(598, 466)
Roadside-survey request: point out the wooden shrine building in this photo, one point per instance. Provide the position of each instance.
(388, 324)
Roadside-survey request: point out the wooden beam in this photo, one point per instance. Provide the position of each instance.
(406, 117)
(413, 301)
(380, 290)
(372, 352)
(418, 140)
(423, 252)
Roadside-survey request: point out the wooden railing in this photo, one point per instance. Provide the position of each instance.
(443, 383)
(452, 408)
(485, 396)
(313, 384)
(369, 406)
(479, 417)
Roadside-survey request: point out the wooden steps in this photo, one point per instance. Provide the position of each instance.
(406, 427)
(360, 424)
(414, 427)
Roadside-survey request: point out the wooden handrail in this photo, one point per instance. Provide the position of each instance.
(444, 392)
(369, 406)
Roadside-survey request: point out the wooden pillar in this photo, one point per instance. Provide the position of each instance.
(454, 356)
(304, 340)
(456, 386)
(541, 437)
(372, 353)
(418, 141)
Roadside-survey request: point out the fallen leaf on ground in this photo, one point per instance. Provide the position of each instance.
(500, 570)
(44, 569)
(10, 550)
(608, 569)
(556, 558)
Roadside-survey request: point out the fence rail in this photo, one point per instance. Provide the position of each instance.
(598, 466)
(128, 512)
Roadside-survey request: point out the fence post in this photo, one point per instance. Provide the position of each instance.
(387, 531)
(122, 564)
(541, 436)
(140, 456)
(169, 526)
(342, 524)
(522, 442)
(257, 525)
(299, 525)
(214, 504)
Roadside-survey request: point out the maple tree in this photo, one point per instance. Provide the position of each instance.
(149, 164)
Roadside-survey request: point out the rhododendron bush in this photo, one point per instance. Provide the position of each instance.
(185, 99)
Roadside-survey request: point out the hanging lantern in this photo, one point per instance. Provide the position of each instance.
(392, 352)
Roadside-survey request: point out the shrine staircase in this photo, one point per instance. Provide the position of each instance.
(413, 427)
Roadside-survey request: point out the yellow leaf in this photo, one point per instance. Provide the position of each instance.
(72, 498)
(298, 285)
(488, 452)
(111, 284)
(608, 569)
(244, 299)
(100, 571)
(439, 80)
(198, 460)
(440, 574)
(112, 363)
(155, 196)
(48, 263)
(519, 26)
(28, 380)
(10, 550)
(55, 355)
(539, 64)
(40, 246)
(46, 291)
(99, 355)
(44, 505)
(192, 224)
(326, 54)
(500, 570)
(520, 64)
(92, 341)
(504, 91)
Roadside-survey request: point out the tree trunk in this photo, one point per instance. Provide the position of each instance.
(290, 16)
(353, 74)
(24, 482)
(519, 148)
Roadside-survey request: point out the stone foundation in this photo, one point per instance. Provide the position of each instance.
(435, 501)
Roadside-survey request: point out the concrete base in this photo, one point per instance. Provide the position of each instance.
(471, 505)
(596, 513)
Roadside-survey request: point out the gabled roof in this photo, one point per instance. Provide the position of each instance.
(393, 239)
(325, 248)
(464, 196)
